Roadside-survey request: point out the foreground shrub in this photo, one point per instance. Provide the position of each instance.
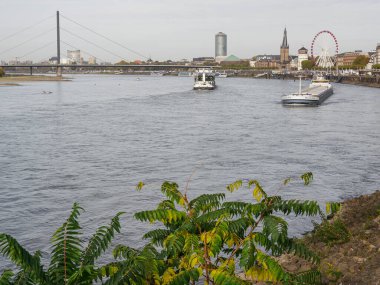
(71, 261)
(332, 232)
(211, 240)
(204, 239)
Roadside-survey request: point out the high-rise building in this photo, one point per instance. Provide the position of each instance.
(378, 54)
(284, 50)
(220, 46)
(302, 56)
(92, 60)
(73, 56)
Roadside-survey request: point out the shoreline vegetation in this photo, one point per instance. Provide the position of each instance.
(215, 241)
(348, 244)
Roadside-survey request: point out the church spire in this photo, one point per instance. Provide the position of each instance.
(285, 40)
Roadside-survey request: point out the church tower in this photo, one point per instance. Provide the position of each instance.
(284, 50)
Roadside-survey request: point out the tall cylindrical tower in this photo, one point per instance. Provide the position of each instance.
(220, 44)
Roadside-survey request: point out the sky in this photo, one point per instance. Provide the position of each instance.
(178, 29)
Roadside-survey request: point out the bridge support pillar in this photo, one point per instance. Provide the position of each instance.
(31, 70)
(59, 71)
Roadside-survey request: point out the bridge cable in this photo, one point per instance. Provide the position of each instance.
(101, 60)
(28, 40)
(25, 29)
(100, 35)
(98, 46)
(37, 49)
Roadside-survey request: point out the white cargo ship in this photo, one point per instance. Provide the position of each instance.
(318, 91)
(204, 79)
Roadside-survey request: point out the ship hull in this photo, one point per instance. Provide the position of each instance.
(315, 99)
(204, 87)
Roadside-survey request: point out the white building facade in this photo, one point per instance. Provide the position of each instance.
(377, 57)
(73, 56)
(302, 56)
(92, 60)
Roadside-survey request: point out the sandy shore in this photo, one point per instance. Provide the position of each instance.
(10, 80)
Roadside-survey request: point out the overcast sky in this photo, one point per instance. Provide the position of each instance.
(175, 29)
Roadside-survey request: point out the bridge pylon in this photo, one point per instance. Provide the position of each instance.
(59, 68)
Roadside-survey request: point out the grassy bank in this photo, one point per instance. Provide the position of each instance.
(348, 244)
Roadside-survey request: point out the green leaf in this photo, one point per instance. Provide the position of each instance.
(100, 241)
(162, 215)
(299, 249)
(308, 277)
(258, 191)
(10, 248)
(139, 186)
(287, 180)
(223, 278)
(332, 207)
(207, 202)
(157, 236)
(276, 228)
(309, 208)
(185, 276)
(67, 248)
(6, 277)
(235, 186)
(171, 191)
(307, 178)
(248, 255)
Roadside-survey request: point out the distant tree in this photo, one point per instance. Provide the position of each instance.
(210, 63)
(376, 66)
(235, 65)
(307, 64)
(361, 60)
(122, 62)
(2, 72)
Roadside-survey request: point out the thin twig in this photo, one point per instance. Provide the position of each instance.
(189, 179)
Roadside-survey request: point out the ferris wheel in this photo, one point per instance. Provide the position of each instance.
(325, 46)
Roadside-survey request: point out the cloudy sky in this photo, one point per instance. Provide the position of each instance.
(176, 29)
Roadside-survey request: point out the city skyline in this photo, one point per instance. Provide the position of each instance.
(172, 30)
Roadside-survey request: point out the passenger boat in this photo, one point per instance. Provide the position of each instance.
(185, 74)
(221, 74)
(204, 79)
(318, 91)
(157, 73)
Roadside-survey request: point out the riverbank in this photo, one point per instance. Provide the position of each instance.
(359, 80)
(368, 81)
(10, 80)
(348, 244)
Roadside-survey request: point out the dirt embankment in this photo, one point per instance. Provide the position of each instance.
(10, 80)
(348, 244)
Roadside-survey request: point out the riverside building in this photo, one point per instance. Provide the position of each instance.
(284, 50)
(73, 56)
(220, 47)
(302, 56)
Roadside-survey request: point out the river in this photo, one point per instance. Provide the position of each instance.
(92, 139)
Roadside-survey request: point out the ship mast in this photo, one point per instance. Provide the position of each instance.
(300, 87)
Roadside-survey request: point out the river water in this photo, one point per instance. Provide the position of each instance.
(93, 139)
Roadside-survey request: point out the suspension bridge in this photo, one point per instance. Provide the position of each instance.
(58, 66)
